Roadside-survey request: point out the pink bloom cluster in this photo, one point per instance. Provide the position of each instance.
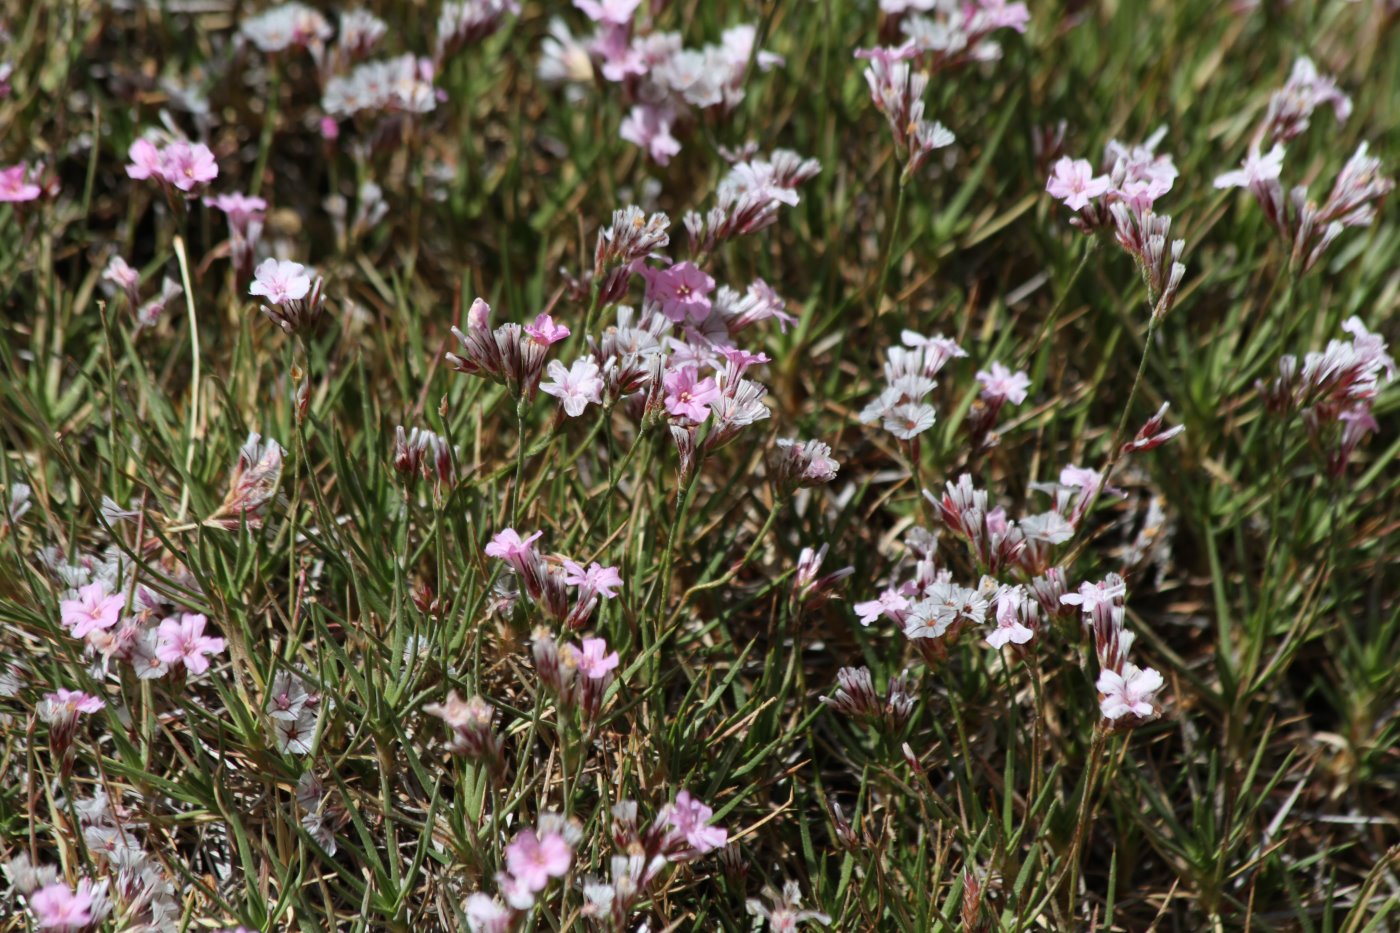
(1000, 387)
(909, 370)
(577, 675)
(289, 25)
(748, 199)
(1334, 391)
(512, 354)
(663, 82)
(898, 92)
(97, 615)
(294, 296)
(547, 581)
(680, 833)
(473, 728)
(178, 166)
(533, 858)
(1307, 227)
(952, 34)
(245, 224)
(1125, 691)
(1121, 199)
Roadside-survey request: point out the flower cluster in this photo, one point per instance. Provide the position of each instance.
(473, 725)
(576, 675)
(748, 199)
(295, 297)
(909, 370)
(898, 92)
(942, 35)
(512, 354)
(664, 82)
(1307, 227)
(533, 858)
(178, 166)
(547, 581)
(1121, 199)
(1126, 691)
(681, 833)
(422, 453)
(1334, 391)
(856, 697)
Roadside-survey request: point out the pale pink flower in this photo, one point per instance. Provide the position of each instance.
(1009, 627)
(280, 281)
(544, 331)
(15, 185)
(1256, 170)
(187, 166)
(532, 860)
(649, 127)
(1130, 692)
(1002, 385)
(909, 420)
(94, 609)
(57, 907)
(576, 386)
(616, 12)
(1096, 597)
(688, 396)
(508, 546)
(889, 603)
(689, 819)
(67, 704)
(146, 161)
(596, 579)
(1075, 183)
(594, 660)
(238, 207)
(682, 291)
(182, 641)
(485, 914)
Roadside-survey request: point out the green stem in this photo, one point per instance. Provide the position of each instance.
(891, 236)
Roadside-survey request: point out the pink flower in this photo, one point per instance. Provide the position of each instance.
(616, 12)
(510, 547)
(485, 914)
(596, 579)
(15, 185)
(1096, 597)
(1074, 183)
(69, 703)
(687, 396)
(1009, 627)
(187, 166)
(146, 161)
(58, 908)
(1128, 692)
(594, 660)
(1256, 170)
(682, 291)
(545, 332)
(889, 604)
(280, 280)
(1002, 385)
(182, 641)
(649, 126)
(688, 819)
(94, 609)
(532, 860)
(576, 386)
(240, 208)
